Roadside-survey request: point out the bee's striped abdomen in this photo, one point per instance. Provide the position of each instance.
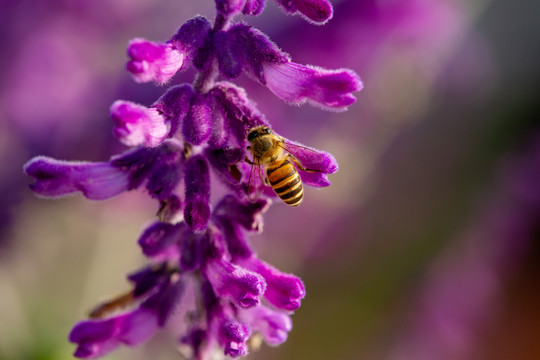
(286, 182)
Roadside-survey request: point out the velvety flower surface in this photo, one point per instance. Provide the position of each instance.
(151, 61)
(190, 132)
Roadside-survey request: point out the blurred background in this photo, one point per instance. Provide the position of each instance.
(426, 245)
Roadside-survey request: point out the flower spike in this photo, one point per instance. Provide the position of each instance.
(204, 271)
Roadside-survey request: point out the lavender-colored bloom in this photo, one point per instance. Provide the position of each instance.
(232, 336)
(232, 282)
(273, 325)
(151, 61)
(254, 7)
(295, 83)
(284, 291)
(160, 239)
(189, 129)
(138, 125)
(55, 178)
(315, 11)
(230, 7)
(96, 338)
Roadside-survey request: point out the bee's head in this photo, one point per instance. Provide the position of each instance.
(257, 132)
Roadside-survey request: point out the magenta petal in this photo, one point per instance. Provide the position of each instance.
(273, 325)
(315, 11)
(254, 7)
(295, 83)
(95, 339)
(138, 125)
(139, 326)
(241, 286)
(232, 338)
(312, 159)
(152, 61)
(284, 291)
(96, 181)
(314, 179)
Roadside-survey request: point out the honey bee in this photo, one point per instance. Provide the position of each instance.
(272, 157)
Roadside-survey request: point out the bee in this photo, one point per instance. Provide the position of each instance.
(272, 157)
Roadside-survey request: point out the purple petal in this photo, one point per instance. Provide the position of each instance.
(191, 36)
(254, 7)
(197, 187)
(315, 11)
(197, 126)
(314, 179)
(174, 105)
(235, 283)
(232, 338)
(284, 291)
(138, 125)
(273, 325)
(95, 339)
(311, 158)
(230, 7)
(159, 240)
(138, 327)
(295, 83)
(96, 181)
(152, 61)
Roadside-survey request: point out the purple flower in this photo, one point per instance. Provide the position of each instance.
(284, 291)
(232, 282)
(138, 125)
(194, 247)
(151, 61)
(95, 338)
(232, 337)
(315, 11)
(56, 178)
(273, 325)
(295, 83)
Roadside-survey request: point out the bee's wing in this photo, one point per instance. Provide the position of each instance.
(307, 157)
(256, 181)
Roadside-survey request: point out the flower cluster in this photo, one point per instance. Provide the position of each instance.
(198, 250)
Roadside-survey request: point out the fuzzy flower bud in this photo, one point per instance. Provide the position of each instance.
(152, 61)
(138, 125)
(315, 11)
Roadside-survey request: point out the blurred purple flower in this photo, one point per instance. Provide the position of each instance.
(461, 289)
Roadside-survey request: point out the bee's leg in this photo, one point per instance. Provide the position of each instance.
(300, 166)
(249, 161)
